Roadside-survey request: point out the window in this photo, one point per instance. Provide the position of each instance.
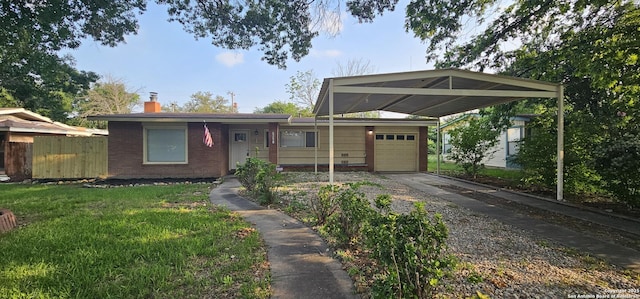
(379, 137)
(298, 139)
(399, 137)
(411, 137)
(240, 137)
(446, 143)
(266, 138)
(311, 139)
(390, 137)
(514, 135)
(165, 145)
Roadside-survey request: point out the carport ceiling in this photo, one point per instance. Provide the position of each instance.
(432, 93)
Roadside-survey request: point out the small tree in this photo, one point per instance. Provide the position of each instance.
(473, 143)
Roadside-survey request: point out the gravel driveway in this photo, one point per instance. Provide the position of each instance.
(495, 259)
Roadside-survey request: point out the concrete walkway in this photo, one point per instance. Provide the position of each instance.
(616, 254)
(300, 263)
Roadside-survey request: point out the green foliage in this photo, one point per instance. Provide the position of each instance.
(325, 203)
(472, 143)
(133, 242)
(32, 71)
(247, 173)
(411, 250)
(281, 29)
(285, 108)
(108, 96)
(303, 89)
(353, 213)
(618, 160)
(599, 69)
(202, 102)
(260, 178)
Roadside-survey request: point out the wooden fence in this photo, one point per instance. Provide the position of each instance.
(60, 157)
(18, 160)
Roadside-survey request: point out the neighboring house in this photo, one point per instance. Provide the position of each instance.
(506, 148)
(155, 144)
(18, 127)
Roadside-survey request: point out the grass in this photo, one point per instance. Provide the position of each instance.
(452, 169)
(133, 242)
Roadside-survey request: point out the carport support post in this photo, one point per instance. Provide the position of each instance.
(560, 170)
(331, 131)
(438, 149)
(315, 128)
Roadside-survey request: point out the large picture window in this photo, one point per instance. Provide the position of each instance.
(297, 139)
(165, 145)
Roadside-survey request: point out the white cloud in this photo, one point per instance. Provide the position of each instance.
(325, 53)
(230, 58)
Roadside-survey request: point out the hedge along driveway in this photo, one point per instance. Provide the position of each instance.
(148, 241)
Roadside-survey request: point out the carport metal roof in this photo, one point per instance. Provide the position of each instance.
(432, 93)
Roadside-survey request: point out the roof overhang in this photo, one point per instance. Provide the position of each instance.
(432, 93)
(360, 122)
(162, 117)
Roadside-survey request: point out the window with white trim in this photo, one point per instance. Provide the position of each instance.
(514, 135)
(293, 138)
(165, 145)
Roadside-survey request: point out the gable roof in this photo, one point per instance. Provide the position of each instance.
(25, 121)
(432, 93)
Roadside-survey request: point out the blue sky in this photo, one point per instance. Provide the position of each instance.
(163, 58)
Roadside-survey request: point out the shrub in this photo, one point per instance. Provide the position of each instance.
(411, 251)
(248, 172)
(324, 204)
(260, 178)
(473, 143)
(354, 210)
(618, 161)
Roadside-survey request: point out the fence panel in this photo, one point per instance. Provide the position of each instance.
(61, 157)
(18, 163)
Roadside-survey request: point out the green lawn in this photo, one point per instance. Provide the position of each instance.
(450, 168)
(130, 242)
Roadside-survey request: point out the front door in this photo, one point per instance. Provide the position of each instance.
(239, 148)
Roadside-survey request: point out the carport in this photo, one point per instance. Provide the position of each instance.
(432, 93)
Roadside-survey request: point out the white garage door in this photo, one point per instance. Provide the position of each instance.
(396, 151)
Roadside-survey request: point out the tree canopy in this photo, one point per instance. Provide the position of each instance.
(108, 96)
(285, 108)
(202, 102)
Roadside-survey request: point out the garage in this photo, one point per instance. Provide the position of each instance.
(395, 151)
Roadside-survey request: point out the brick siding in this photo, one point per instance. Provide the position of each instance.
(126, 153)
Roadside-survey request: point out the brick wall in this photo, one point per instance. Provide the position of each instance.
(369, 148)
(423, 149)
(273, 147)
(126, 153)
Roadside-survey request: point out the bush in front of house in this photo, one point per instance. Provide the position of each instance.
(260, 178)
(352, 215)
(409, 249)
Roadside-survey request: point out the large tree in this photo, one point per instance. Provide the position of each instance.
(202, 102)
(303, 89)
(32, 73)
(108, 96)
(285, 108)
